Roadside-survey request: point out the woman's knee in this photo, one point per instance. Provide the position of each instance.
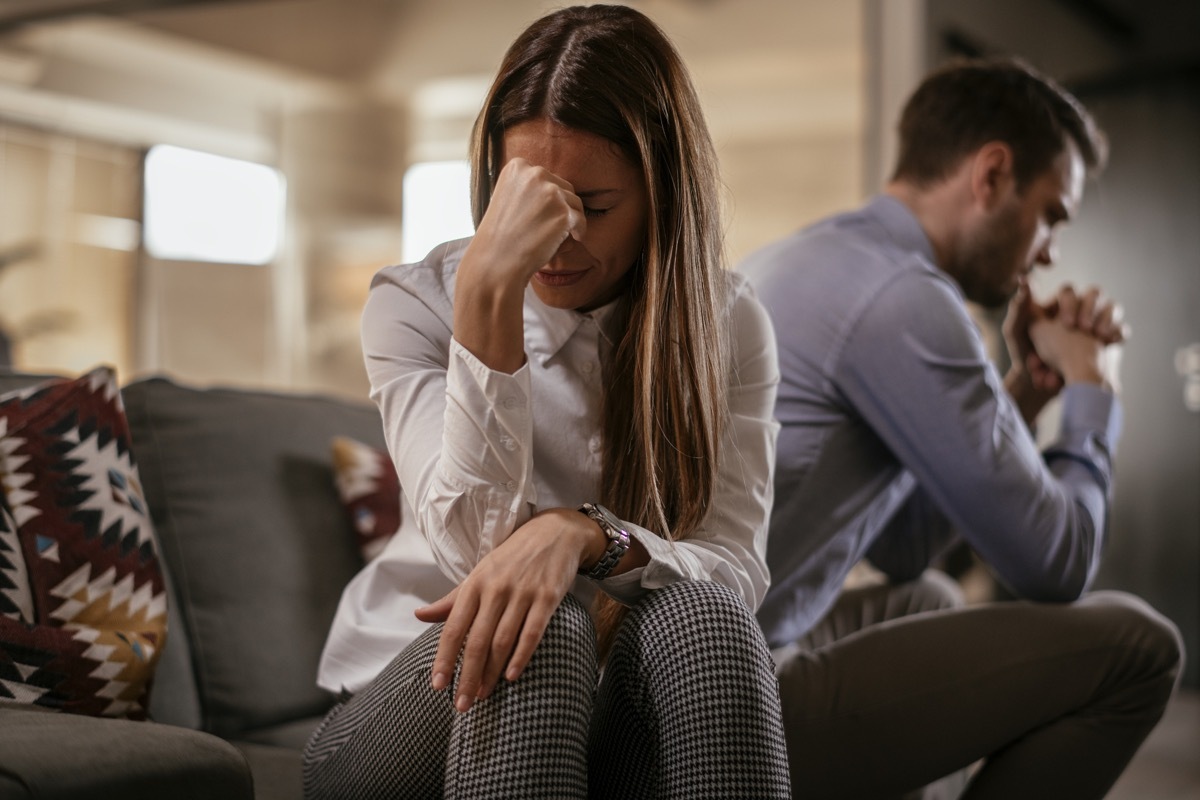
(690, 618)
(699, 603)
(570, 636)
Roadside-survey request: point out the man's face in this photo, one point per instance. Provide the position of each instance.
(1018, 234)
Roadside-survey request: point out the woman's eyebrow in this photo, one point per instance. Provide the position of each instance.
(590, 193)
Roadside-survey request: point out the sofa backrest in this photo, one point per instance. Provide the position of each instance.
(255, 542)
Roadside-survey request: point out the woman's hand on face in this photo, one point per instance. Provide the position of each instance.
(531, 213)
(503, 607)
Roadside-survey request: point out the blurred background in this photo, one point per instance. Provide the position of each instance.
(204, 187)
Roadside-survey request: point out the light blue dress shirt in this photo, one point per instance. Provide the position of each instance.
(897, 432)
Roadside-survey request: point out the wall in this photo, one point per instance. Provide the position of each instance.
(68, 240)
(1137, 237)
(343, 98)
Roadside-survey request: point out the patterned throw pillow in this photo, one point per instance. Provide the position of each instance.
(367, 484)
(82, 599)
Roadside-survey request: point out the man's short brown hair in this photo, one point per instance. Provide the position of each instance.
(966, 104)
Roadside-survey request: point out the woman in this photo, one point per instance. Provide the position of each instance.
(577, 398)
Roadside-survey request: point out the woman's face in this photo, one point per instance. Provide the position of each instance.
(586, 273)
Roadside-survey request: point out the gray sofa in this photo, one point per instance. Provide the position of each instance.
(256, 548)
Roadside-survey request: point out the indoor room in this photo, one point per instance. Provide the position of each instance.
(196, 197)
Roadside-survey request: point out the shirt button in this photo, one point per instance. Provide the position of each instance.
(510, 403)
(594, 444)
(589, 367)
(508, 442)
(511, 486)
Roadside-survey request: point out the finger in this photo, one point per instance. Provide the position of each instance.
(563, 189)
(1018, 314)
(536, 621)
(450, 644)
(503, 642)
(1102, 325)
(1023, 299)
(1085, 315)
(439, 610)
(1068, 304)
(475, 654)
(1114, 331)
(576, 218)
(1039, 372)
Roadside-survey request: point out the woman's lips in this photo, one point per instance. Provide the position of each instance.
(556, 279)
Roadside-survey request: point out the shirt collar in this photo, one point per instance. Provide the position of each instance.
(901, 225)
(547, 329)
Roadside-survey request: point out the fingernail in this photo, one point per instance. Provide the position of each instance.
(463, 704)
(439, 681)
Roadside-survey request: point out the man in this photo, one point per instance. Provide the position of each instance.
(898, 435)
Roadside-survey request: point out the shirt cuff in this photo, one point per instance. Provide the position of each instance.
(661, 571)
(1088, 408)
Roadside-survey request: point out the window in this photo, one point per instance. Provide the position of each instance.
(203, 207)
(437, 206)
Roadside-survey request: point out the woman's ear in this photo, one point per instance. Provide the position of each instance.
(992, 177)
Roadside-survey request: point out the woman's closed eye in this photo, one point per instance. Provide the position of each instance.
(595, 212)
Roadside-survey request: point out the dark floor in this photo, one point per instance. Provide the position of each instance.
(1168, 765)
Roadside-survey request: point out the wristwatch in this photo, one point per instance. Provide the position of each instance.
(618, 540)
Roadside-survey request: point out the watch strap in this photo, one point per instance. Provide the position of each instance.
(618, 540)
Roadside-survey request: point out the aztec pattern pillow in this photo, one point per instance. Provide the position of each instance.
(82, 598)
(369, 489)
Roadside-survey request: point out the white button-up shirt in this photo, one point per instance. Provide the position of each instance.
(478, 452)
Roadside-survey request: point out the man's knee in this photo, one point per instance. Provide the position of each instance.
(1138, 626)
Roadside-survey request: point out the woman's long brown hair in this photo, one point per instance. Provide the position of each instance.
(610, 71)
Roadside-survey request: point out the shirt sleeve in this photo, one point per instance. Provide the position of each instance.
(916, 535)
(914, 367)
(730, 546)
(459, 432)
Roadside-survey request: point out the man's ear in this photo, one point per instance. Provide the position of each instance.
(992, 177)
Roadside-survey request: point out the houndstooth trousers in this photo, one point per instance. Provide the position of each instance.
(688, 708)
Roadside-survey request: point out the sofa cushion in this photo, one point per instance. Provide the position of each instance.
(16, 595)
(277, 771)
(240, 486)
(370, 490)
(114, 758)
(88, 604)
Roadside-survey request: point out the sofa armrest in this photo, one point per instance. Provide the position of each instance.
(48, 756)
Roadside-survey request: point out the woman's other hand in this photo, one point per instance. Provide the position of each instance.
(496, 617)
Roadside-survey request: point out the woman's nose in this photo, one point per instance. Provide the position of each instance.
(568, 246)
